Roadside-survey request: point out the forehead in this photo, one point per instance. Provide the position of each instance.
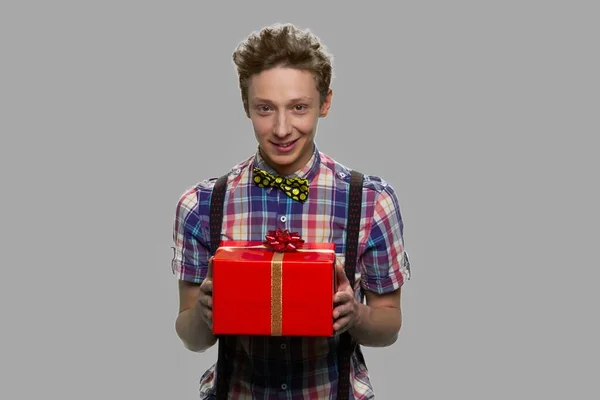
(279, 84)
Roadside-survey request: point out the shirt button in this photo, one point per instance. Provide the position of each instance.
(282, 346)
(284, 386)
(283, 218)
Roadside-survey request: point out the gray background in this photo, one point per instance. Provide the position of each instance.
(482, 115)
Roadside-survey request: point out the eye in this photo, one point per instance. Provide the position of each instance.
(300, 107)
(263, 108)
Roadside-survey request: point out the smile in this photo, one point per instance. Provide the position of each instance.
(285, 147)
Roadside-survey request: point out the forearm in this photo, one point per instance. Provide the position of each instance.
(376, 327)
(195, 334)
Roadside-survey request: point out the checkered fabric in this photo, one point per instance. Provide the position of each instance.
(294, 368)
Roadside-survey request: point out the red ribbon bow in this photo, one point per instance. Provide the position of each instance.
(283, 240)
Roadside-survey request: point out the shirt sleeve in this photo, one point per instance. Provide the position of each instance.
(190, 253)
(384, 263)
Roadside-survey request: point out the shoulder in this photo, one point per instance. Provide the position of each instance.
(196, 198)
(372, 184)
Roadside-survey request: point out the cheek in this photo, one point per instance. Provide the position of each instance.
(262, 126)
(305, 125)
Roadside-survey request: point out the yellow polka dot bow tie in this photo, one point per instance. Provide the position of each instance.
(296, 188)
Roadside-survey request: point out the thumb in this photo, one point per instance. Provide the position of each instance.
(210, 268)
(340, 275)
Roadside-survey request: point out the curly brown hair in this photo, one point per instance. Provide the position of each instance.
(283, 45)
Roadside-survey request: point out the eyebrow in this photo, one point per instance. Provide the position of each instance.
(304, 98)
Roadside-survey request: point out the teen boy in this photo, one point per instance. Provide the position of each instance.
(284, 77)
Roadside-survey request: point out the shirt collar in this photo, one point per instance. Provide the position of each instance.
(308, 171)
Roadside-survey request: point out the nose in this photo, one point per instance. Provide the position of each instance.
(282, 125)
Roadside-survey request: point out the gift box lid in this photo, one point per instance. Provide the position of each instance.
(244, 251)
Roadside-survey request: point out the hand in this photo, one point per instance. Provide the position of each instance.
(345, 312)
(205, 299)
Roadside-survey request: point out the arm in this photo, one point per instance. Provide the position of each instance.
(379, 321)
(374, 324)
(194, 332)
(192, 267)
(384, 269)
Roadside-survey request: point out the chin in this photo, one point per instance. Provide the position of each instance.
(284, 160)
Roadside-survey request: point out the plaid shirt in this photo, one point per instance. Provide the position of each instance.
(294, 368)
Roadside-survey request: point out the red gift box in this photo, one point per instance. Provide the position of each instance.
(260, 291)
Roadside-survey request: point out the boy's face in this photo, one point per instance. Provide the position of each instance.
(284, 108)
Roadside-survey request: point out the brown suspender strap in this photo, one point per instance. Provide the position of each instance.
(225, 343)
(347, 344)
(216, 212)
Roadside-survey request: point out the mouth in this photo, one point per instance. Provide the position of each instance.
(285, 147)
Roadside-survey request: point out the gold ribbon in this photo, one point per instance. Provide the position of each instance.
(276, 294)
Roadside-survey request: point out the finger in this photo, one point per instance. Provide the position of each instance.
(342, 311)
(341, 325)
(208, 317)
(340, 275)
(206, 301)
(342, 298)
(207, 286)
(210, 267)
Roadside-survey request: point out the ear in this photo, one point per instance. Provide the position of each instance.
(326, 104)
